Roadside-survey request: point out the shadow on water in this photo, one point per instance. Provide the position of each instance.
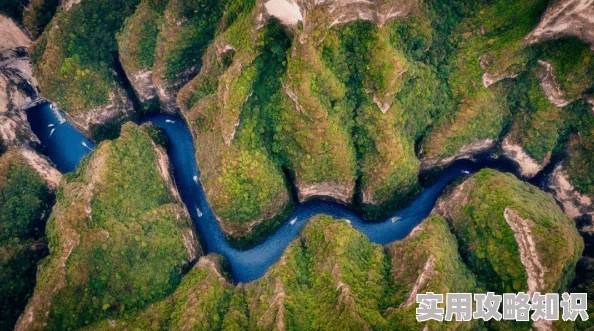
(65, 149)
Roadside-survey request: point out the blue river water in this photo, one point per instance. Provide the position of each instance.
(62, 143)
(64, 148)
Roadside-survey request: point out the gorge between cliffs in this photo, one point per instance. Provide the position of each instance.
(251, 263)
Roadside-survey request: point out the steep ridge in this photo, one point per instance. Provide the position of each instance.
(301, 123)
(16, 85)
(565, 18)
(25, 202)
(118, 239)
(322, 112)
(73, 61)
(331, 275)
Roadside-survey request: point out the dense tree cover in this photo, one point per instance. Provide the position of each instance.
(573, 65)
(38, 15)
(323, 121)
(580, 149)
(117, 236)
(432, 252)
(136, 46)
(476, 214)
(74, 57)
(138, 38)
(188, 28)
(24, 196)
(488, 42)
(537, 122)
(332, 277)
(235, 123)
(24, 200)
(13, 8)
(317, 121)
(362, 57)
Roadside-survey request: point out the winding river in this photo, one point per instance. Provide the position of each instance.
(66, 147)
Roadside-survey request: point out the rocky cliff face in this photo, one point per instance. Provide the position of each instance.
(526, 221)
(17, 84)
(513, 236)
(74, 62)
(291, 12)
(565, 18)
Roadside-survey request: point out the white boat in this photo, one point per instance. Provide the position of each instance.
(466, 172)
(198, 212)
(50, 125)
(395, 219)
(196, 179)
(348, 221)
(51, 132)
(169, 121)
(87, 146)
(293, 221)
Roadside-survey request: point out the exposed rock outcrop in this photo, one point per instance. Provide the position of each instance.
(290, 12)
(16, 85)
(468, 151)
(490, 208)
(590, 100)
(527, 249)
(142, 81)
(67, 4)
(528, 166)
(549, 84)
(125, 224)
(565, 18)
(490, 78)
(325, 189)
(574, 203)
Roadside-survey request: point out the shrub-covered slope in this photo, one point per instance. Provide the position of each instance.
(346, 100)
(332, 277)
(349, 100)
(513, 235)
(75, 61)
(24, 201)
(118, 238)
